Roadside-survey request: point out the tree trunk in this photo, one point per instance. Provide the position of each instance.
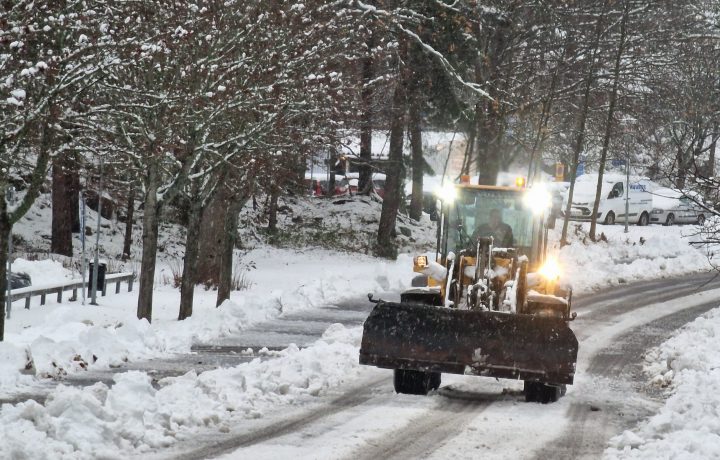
(580, 139)
(393, 177)
(609, 122)
(7, 219)
(5, 231)
(228, 249)
(577, 149)
(150, 242)
(418, 163)
(212, 237)
(711, 159)
(62, 207)
(488, 136)
(469, 151)
(192, 244)
(127, 243)
(365, 169)
(272, 218)
(682, 170)
(74, 197)
(331, 179)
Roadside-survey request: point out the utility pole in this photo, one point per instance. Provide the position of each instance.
(96, 267)
(10, 196)
(627, 191)
(627, 122)
(82, 240)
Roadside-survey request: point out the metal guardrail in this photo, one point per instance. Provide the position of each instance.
(42, 291)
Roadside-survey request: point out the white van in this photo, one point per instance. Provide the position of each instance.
(612, 199)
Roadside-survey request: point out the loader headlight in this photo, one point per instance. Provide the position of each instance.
(550, 269)
(421, 261)
(447, 193)
(538, 199)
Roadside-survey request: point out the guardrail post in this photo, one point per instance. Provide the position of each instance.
(130, 282)
(104, 289)
(74, 296)
(42, 299)
(27, 302)
(59, 296)
(117, 286)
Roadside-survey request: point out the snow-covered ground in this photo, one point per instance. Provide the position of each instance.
(688, 425)
(618, 258)
(54, 339)
(133, 416)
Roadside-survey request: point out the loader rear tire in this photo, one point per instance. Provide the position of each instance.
(542, 393)
(415, 382)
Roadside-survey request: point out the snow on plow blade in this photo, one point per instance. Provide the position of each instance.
(493, 344)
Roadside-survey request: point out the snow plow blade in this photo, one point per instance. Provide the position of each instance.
(484, 343)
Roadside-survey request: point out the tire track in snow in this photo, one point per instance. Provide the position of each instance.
(426, 433)
(355, 397)
(435, 428)
(591, 424)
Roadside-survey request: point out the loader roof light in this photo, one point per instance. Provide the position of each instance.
(538, 198)
(446, 193)
(550, 269)
(520, 182)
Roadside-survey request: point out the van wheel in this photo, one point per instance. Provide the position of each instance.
(701, 219)
(670, 219)
(644, 219)
(610, 218)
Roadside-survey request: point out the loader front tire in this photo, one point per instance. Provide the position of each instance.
(415, 382)
(435, 380)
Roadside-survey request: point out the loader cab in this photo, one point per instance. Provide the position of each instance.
(470, 213)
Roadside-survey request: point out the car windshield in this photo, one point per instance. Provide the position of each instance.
(472, 210)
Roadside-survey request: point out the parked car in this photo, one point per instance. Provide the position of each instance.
(318, 184)
(19, 280)
(672, 207)
(378, 183)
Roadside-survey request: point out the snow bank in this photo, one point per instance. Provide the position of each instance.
(688, 425)
(57, 339)
(42, 272)
(643, 253)
(133, 416)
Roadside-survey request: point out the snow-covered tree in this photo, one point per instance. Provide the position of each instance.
(53, 54)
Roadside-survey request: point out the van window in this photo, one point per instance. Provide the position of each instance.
(617, 190)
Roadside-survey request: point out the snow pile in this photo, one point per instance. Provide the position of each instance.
(12, 360)
(687, 426)
(42, 272)
(642, 253)
(133, 416)
(59, 339)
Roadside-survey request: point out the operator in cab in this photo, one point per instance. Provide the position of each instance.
(500, 231)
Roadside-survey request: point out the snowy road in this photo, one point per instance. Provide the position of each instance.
(468, 417)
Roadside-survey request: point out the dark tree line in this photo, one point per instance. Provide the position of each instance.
(208, 105)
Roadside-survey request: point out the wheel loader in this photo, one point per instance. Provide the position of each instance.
(491, 303)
